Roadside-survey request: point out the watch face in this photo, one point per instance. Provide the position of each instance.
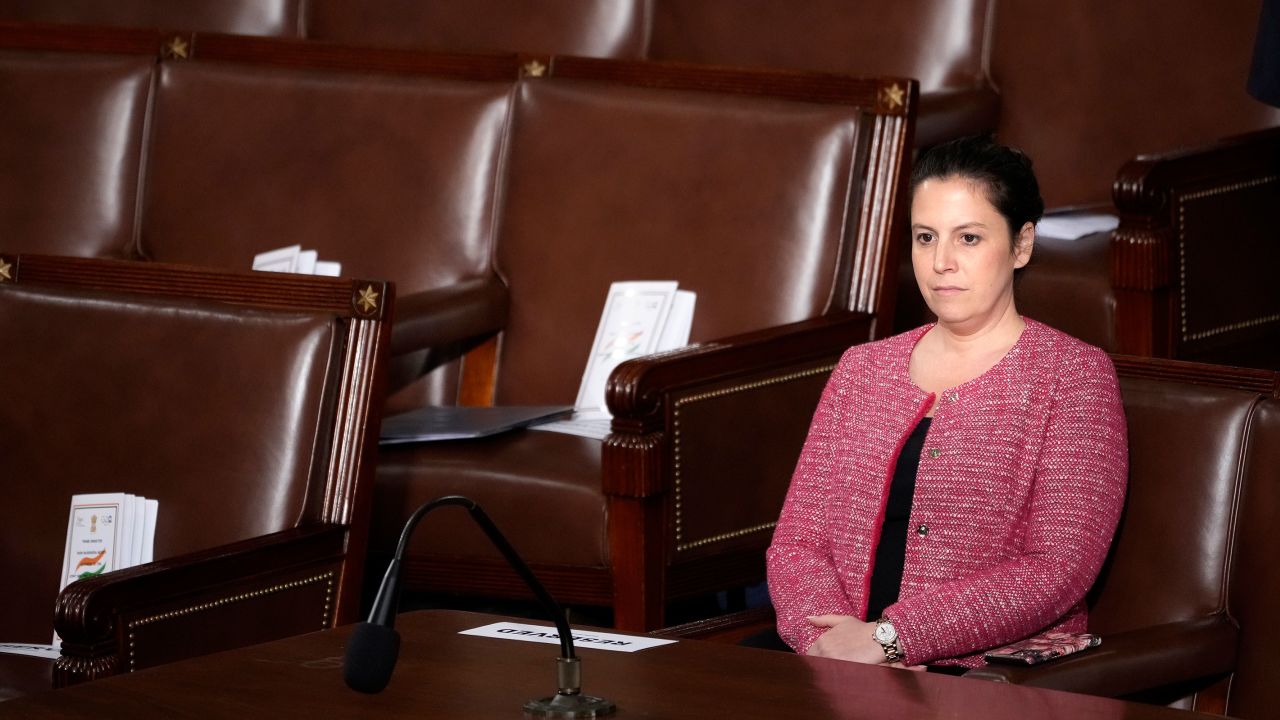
(885, 633)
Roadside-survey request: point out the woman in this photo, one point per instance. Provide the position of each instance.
(961, 483)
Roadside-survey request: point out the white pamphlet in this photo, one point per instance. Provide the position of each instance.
(48, 652)
(105, 532)
(284, 259)
(1076, 224)
(295, 259)
(581, 638)
(630, 326)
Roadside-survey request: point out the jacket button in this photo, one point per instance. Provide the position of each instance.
(923, 530)
(934, 452)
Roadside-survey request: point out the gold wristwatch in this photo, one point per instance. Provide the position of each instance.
(887, 636)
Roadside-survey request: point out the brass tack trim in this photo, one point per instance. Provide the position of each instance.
(324, 620)
(676, 465)
(1182, 259)
(533, 68)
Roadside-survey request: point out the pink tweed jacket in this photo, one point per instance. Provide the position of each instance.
(1019, 490)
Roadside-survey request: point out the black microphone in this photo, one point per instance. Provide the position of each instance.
(375, 645)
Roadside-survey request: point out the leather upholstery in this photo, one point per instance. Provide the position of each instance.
(278, 18)
(1255, 584)
(324, 158)
(1067, 285)
(598, 28)
(572, 224)
(1186, 445)
(71, 137)
(241, 402)
(227, 455)
(1127, 79)
(942, 43)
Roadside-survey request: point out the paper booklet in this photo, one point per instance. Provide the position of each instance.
(294, 259)
(639, 318)
(105, 532)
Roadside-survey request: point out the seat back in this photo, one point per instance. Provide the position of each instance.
(943, 44)
(239, 402)
(1193, 249)
(392, 176)
(1255, 585)
(1186, 454)
(71, 137)
(772, 208)
(598, 28)
(278, 18)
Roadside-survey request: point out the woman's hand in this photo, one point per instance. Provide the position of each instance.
(847, 638)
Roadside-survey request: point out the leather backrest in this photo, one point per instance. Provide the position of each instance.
(941, 43)
(71, 135)
(743, 200)
(1255, 584)
(243, 17)
(597, 28)
(392, 176)
(213, 410)
(1089, 84)
(1187, 448)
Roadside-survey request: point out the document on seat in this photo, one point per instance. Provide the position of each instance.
(49, 652)
(581, 638)
(583, 423)
(295, 259)
(105, 532)
(1075, 225)
(459, 423)
(640, 318)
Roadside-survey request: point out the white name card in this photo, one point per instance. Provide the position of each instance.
(581, 638)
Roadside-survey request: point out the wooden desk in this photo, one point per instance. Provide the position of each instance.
(444, 674)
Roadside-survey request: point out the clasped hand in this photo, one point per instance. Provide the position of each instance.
(848, 638)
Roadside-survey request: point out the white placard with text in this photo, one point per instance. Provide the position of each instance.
(581, 638)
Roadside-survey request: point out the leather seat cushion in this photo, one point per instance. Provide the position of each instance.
(22, 675)
(542, 490)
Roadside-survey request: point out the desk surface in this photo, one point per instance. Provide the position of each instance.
(444, 674)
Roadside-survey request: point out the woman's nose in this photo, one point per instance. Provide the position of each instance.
(943, 257)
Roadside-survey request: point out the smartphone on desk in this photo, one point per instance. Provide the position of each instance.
(1043, 647)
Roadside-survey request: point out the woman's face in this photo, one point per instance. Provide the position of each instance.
(962, 254)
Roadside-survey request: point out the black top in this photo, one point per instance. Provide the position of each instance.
(886, 573)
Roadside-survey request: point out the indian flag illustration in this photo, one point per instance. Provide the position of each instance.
(90, 562)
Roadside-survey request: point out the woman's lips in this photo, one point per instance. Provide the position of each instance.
(947, 290)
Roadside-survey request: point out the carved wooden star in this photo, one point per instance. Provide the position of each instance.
(368, 299)
(533, 68)
(5, 271)
(893, 95)
(177, 48)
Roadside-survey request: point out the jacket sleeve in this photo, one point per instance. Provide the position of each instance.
(803, 580)
(1070, 519)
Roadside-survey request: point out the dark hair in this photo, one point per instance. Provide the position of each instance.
(1004, 173)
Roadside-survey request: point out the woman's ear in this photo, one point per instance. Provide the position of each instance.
(1023, 244)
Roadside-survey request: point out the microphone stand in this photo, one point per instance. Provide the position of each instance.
(568, 702)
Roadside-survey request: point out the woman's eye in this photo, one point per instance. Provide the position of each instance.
(970, 239)
(924, 238)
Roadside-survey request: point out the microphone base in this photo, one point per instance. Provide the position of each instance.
(569, 706)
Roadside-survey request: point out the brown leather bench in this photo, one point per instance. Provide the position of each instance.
(558, 175)
(246, 404)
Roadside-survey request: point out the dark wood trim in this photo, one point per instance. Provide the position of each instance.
(81, 38)
(1266, 382)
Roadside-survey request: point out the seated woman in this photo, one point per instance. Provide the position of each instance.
(961, 482)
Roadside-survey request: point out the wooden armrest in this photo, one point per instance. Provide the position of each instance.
(1131, 662)
(243, 593)
(447, 315)
(637, 387)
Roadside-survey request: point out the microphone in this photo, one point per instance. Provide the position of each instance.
(375, 645)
